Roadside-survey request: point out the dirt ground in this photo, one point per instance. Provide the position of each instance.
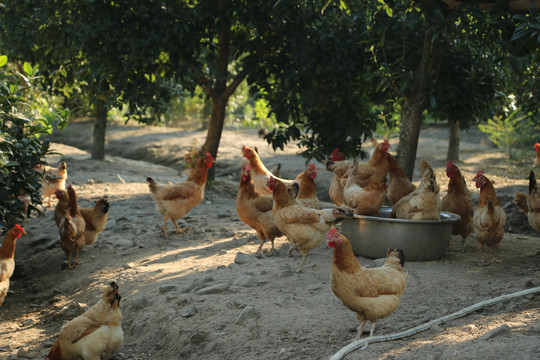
(204, 295)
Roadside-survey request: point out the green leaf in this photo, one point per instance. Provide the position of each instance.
(3, 60)
(11, 163)
(28, 69)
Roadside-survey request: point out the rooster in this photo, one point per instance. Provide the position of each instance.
(307, 194)
(304, 227)
(372, 293)
(255, 210)
(174, 201)
(52, 179)
(71, 228)
(489, 216)
(96, 334)
(530, 204)
(7, 262)
(364, 200)
(259, 173)
(458, 200)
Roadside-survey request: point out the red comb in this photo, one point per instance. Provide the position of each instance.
(332, 232)
(248, 168)
(449, 163)
(480, 172)
(313, 166)
(18, 227)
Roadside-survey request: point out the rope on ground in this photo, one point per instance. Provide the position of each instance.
(363, 343)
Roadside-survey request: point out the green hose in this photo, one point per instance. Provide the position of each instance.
(363, 343)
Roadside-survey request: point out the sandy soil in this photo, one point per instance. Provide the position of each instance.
(204, 295)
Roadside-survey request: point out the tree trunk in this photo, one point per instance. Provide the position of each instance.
(411, 119)
(453, 140)
(98, 145)
(215, 129)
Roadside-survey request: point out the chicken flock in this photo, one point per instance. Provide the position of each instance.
(276, 207)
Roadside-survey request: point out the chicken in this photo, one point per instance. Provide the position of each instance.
(259, 173)
(96, 334)
(339, 166)
(426, 174)
(174, 201)
(372, 293)
(537, 148)
(458, 200)
(71, 228)
(95, 218)
(307, 194)
(364, 200)
(53, 178)
(530, 204)
(373, 170)
(399, 184)
(304, 227)
(421, 206)
(489, 216)
(255, 210)
(7, 262)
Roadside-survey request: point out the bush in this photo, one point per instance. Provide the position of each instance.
(21, 145)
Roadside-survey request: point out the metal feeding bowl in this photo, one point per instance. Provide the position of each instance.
(370, 236)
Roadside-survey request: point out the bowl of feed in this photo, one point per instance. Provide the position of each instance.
(420, 240)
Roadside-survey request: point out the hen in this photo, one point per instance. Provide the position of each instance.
(372, 293)
(421, 206)
(7, 262)
(304, 227)
(340, 167)
(95, 218)
(174, 201)
(307, 194)
(255, 210)
(399, 184)
(96, 334)
(52, 179)
(71, 227)
(530, 204)
(364, 200)
(489, 216)
(373, 170)
(426, 175)
(537, 148)
(458, 200)
(259, 173)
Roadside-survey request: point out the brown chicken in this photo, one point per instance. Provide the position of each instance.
(174, 201)
(339, 166)
(304, 227)
(537, 148)
(530, 204)
(399, 184)
(53, 178)
(259, 173)
(426, 175)
(421, 206)
(71, 228)
(7, 261)
(458, 200)
(95, 218)
(96, 334)
(372, 293)
(489, 216)
(255, 210)
(373, 170)
(365, 200)
(307, 194)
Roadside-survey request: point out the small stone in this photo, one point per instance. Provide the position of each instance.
(129, 266)
(189, 311)
(249, 313)
(503, 329)
(139, 302)
(215, 289)
(199, 337)
(225, 214)
(285, 273)
(91, 182)
(246, 281)
(240, 258)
